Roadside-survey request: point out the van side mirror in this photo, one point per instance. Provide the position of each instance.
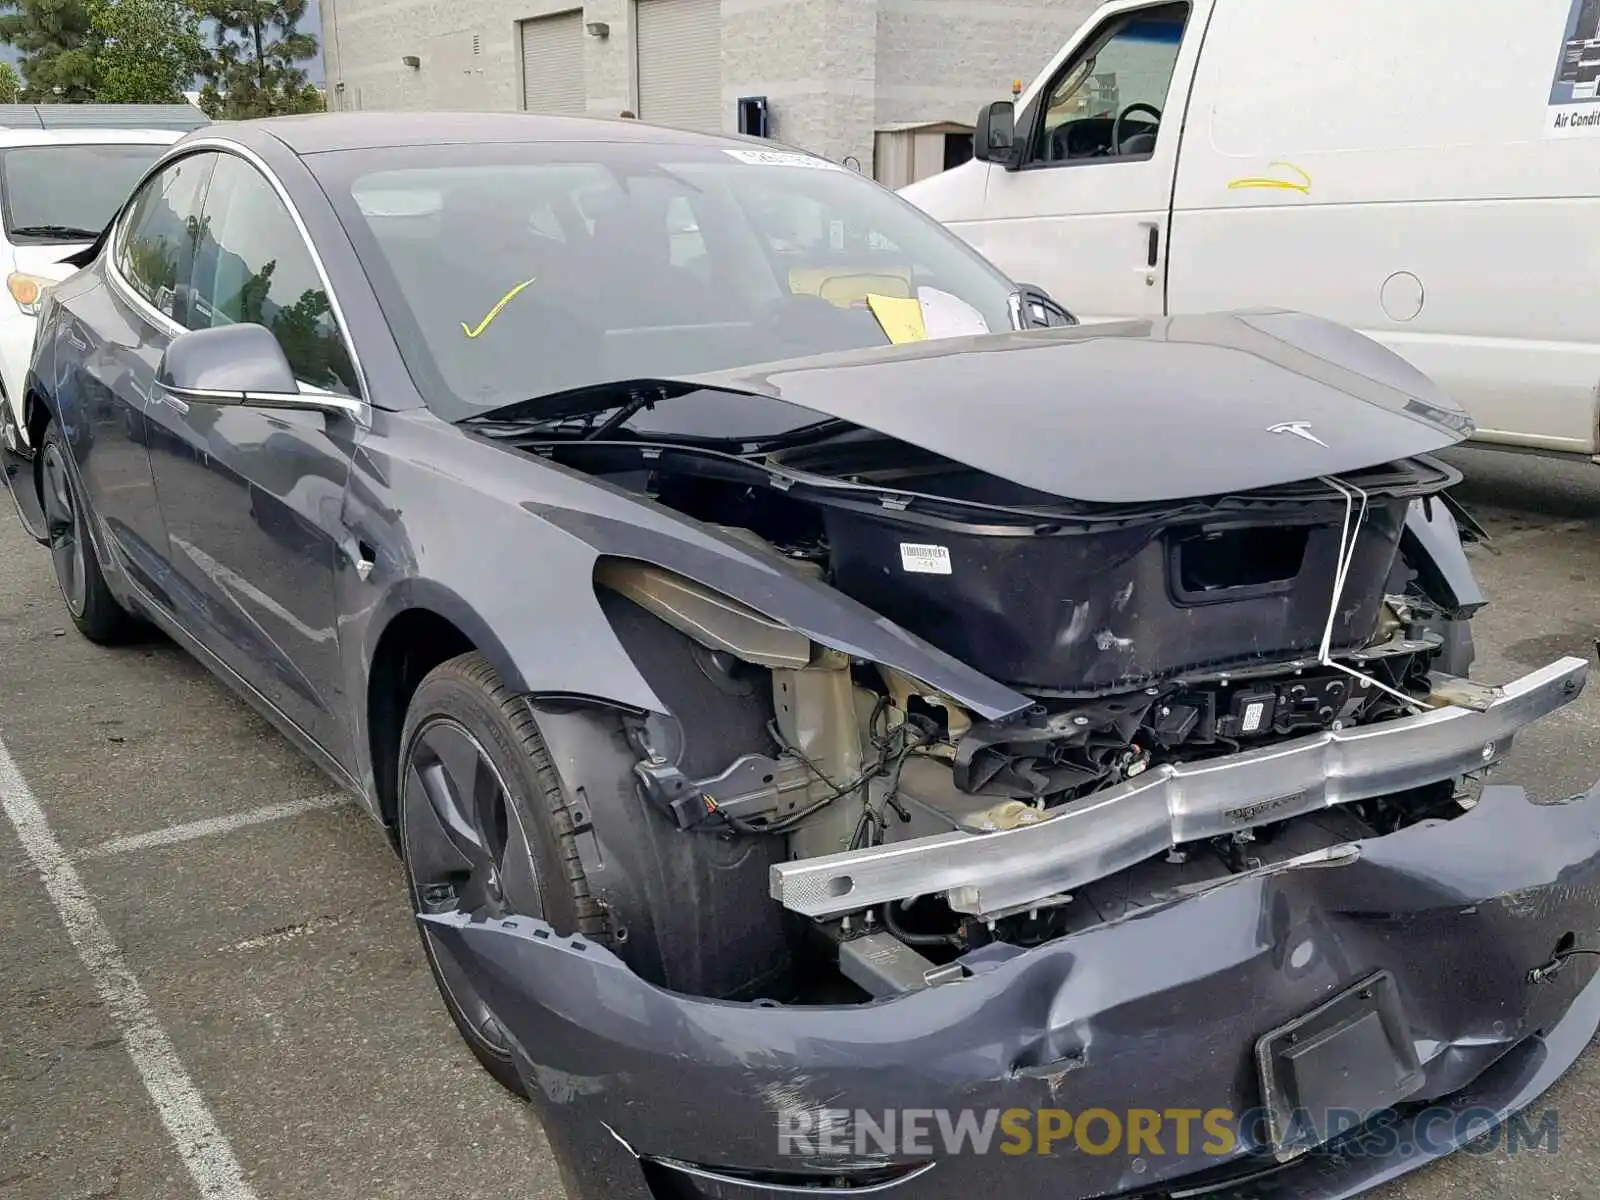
(1034, 308)
(994, 136)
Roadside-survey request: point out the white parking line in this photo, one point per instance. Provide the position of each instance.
(211, 826)
(194, 1131)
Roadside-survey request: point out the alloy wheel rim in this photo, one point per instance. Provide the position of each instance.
(465, 851)
(64, 525)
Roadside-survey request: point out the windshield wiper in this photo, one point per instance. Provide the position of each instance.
(628, 397)
(65, 232)
(576, 414)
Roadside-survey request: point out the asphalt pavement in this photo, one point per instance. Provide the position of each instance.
(210, 984)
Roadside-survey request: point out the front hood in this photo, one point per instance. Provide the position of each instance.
(45, 261)
(1134, 411)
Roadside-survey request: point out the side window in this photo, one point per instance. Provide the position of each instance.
(253, 266)
(1106, 103)
(156, 246)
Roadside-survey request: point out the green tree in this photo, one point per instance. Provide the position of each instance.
(146, 51)
(10, 84)
(57, 47)
(252, 68)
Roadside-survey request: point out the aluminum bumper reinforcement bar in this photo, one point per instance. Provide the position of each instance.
(987, 874)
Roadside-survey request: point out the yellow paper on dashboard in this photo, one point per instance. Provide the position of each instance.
(901, 318)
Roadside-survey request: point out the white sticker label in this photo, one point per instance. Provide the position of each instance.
(925, 560)
(781, 158)
(1252, 716)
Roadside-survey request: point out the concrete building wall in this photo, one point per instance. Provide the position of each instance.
(833, 70)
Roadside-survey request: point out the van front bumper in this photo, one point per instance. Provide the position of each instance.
(646, 1094)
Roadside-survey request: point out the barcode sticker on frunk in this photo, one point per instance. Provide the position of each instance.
(925, 560)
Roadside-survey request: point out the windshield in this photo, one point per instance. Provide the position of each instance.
(68, 193)
(511, 271)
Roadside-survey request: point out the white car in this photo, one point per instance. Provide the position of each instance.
(64, 171)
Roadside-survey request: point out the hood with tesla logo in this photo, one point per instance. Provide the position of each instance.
(1133, 411)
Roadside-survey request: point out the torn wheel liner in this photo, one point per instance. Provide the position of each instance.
(1162, 1010)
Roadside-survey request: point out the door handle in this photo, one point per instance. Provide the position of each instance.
(1155, 246)
(160, 395)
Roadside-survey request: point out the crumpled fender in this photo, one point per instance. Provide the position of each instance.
(545, 529)
(810, 607)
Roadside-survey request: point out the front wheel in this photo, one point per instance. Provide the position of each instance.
(90, 604)
(484, 828)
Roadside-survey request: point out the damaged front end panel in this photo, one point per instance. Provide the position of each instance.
(1196, 773)
(1197, 674)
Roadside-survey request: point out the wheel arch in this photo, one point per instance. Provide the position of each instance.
(411, 643)
(421, 624)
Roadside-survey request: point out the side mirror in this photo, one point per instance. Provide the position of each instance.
(240, 364)
(994, 137)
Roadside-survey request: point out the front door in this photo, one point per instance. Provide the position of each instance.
(110, 359)
(1084, 212)
(252, 497)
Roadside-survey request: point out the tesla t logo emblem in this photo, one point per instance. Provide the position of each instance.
(1300, 429)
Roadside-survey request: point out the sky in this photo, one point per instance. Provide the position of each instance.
(311, 24)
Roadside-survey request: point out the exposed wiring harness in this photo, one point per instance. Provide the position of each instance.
(1548, 970)
(891, 756)
(891, 921)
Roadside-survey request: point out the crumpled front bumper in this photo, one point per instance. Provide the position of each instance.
(1159, 1011)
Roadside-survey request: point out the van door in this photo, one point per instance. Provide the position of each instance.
(1083, 207)
(1366, 174)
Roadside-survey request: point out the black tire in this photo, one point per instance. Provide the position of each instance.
(529, 861)
(93, 609)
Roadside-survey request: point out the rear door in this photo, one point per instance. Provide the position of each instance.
(252, 497)
(1084, 211)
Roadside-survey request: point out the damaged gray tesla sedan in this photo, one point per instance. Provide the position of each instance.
(810, 680)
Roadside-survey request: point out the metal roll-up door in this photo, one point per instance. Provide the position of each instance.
(680, 62)
(552, 63)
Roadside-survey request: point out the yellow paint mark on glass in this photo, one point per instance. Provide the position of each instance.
(901, 318)
(495, 311)
(1302, 185)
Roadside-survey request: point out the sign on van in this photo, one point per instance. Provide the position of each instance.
(1574, 109)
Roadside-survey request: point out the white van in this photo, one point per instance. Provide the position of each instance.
(1426, 171)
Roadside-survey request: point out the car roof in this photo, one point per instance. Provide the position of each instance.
(318, 133)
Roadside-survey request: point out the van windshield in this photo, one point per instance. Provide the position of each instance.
(510, 271)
